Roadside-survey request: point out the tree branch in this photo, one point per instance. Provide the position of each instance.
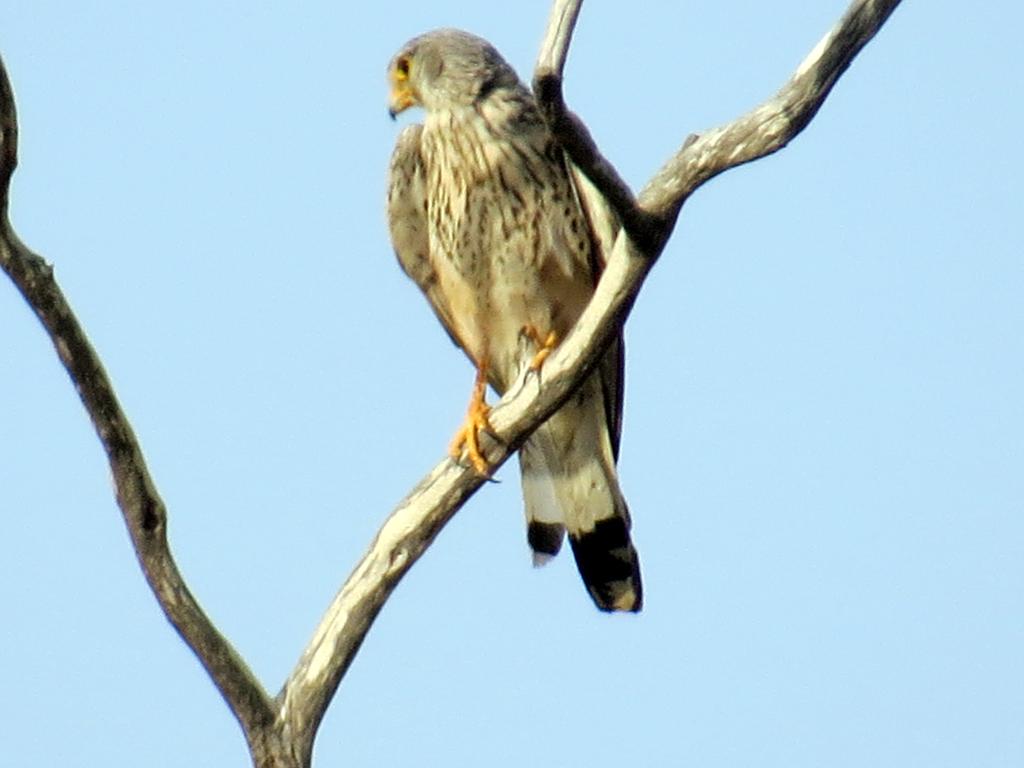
(421, 515)
(571, 131)
(281, 731)
(415, 522)
(770, 126)
(554, 48)
(762, 131)
(141, 506)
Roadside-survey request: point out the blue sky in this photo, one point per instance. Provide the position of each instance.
(824, 427)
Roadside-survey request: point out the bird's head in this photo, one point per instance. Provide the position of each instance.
(445, 69)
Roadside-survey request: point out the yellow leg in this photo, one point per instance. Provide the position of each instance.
(545, 344)
(468, 437)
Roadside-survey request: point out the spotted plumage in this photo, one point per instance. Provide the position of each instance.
(487, 218)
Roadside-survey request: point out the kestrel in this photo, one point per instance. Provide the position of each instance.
(487, 218)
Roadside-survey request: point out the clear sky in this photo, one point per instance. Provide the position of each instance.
(824, 428)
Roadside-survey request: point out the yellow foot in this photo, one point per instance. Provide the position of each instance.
(546, 345)
(467, 439)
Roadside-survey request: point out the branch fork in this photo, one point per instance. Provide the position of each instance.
(280, 730)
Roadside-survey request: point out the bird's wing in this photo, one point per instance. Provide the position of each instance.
(407, 220)
(604, 227)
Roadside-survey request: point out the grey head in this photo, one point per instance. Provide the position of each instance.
(446, 69)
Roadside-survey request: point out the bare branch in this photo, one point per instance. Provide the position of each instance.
(281, 731)
(760, 132)
(402, 539)
(418, 519)
(143, 510)
(571, 131)
(554, 49)
(8, 140)
(412, 526)
(773, 124)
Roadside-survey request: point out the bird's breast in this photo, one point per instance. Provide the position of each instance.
(500, 215)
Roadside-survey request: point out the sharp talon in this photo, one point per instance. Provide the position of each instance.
(467, 439)
(546, 345)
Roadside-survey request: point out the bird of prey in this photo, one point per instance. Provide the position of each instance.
(488, 218)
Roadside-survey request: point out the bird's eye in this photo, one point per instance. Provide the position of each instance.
(402, 69)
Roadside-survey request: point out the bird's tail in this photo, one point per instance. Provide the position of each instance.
(570, 485)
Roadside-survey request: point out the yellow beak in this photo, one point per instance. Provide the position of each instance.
(400, 99)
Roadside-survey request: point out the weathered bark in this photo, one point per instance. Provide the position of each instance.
(280, 731)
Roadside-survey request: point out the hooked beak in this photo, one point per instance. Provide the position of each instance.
(400, 99)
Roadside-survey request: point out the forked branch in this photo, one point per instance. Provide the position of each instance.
(765, 129)
(280, 731)
(648, 223)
